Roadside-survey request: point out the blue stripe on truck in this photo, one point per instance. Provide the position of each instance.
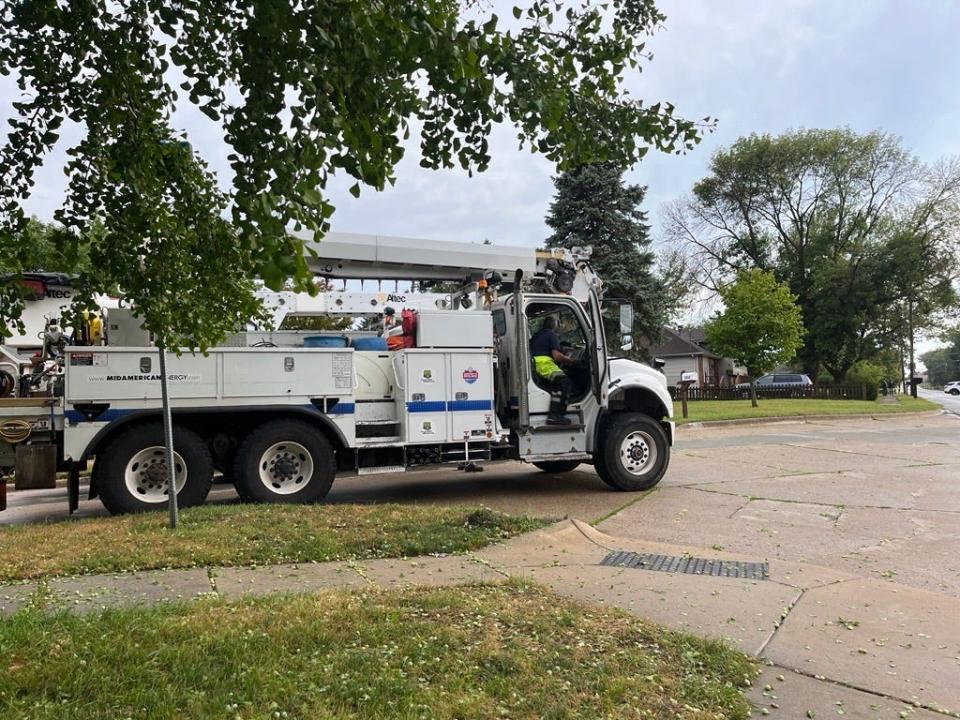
(461, 405)
(451, 405)
(426, 406)
(341, 408)
(75, 416)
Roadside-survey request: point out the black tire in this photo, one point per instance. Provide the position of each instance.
(955, 392)
(145, 491)
(558, 466)
(649, 436)
(286, 480)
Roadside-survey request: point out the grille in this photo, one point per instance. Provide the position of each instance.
(688, 565)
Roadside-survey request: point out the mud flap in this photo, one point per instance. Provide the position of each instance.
(73, 488)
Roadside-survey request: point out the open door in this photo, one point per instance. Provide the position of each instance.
(520, 369)
(598, 356)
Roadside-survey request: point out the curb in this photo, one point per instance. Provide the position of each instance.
(801, 419)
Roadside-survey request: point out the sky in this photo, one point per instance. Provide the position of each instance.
(759, 66)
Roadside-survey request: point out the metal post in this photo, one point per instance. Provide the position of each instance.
(913, 366)
(168, 440)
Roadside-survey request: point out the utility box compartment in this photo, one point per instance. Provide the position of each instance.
(285, 375)
(454, 329)
(443, 395)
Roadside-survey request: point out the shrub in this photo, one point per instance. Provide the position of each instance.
(867, 373)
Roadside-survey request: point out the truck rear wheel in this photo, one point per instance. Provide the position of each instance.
(633, 452)
(284, 461)
(131, 471)
(557, 466)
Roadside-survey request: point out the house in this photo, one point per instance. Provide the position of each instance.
(685, 350)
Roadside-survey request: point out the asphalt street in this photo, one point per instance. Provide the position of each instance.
(951, 403)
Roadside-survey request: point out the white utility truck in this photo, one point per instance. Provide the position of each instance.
(281, 413)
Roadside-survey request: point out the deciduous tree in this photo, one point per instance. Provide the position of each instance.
(302, 91)
(760, 326)
(819, 208)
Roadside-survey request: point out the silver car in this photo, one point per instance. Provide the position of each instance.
(776, 381)
(952, 387)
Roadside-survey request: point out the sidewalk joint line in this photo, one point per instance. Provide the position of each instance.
(849, 452)
(867, 691)
(846, 506)
(487, 564)
(779, 624)
(353, 565)
(638, 498)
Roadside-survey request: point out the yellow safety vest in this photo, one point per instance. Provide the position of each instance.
(545, 366)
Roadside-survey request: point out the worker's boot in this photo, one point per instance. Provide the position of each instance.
(558, 408)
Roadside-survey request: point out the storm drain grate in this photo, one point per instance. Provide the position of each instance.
(687, 565)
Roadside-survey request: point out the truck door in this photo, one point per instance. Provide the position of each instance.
(599, 359)
(520, 368)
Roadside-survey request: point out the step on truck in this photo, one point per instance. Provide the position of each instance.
(447, 377)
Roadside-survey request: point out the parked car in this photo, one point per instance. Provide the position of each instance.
(952, 387)
(774, 382)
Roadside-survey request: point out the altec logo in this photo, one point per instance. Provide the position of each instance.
(470, 376)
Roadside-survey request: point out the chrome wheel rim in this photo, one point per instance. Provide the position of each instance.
(146, 474)
(285, 468)
(638, 452)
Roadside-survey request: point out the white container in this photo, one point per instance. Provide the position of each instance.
(455, 329)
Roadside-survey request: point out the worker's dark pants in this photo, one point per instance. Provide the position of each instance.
(560, 389)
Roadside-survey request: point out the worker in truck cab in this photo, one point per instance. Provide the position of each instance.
(547, 359)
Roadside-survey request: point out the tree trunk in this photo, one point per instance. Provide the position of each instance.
(753, 392)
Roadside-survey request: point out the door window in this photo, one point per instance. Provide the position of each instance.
(499, 323)
(573, 338)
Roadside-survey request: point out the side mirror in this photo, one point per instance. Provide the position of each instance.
(658, 363)
(626, 326)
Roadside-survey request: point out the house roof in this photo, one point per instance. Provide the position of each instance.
(677, 343)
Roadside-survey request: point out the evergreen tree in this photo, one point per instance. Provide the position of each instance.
(593, 206)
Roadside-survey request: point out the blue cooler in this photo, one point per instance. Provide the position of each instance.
(325, 341)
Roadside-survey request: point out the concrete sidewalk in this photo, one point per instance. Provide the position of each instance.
(834, 643)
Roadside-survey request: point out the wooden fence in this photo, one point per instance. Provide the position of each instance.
(818, 392)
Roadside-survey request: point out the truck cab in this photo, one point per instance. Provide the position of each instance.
(619, 410)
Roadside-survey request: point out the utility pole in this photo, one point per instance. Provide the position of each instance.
(913, 367)
(168, 440)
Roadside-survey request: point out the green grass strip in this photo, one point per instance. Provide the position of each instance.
(249, 534)
(706, 410)
(503, 651)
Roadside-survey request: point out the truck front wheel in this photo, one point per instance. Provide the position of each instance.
(131, 471)
(633, 452)
(284, 461)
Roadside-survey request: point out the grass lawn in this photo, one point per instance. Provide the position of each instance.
(247, 534)
(701, 410)
(489, 651)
